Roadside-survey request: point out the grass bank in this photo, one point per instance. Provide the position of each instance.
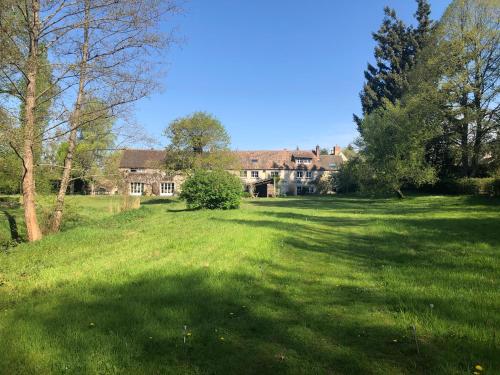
(297, 285)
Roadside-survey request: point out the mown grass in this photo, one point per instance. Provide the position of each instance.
(297, 285)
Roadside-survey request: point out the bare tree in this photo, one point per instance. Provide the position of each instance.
(105, 49)
(118, 39)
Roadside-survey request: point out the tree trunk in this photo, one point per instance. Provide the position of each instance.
(399, 193)
(75, 123)
(464, 145)
(29, 199)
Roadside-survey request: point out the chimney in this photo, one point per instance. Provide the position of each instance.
(317, 151)
(335, 150)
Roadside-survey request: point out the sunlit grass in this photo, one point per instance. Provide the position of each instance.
(297, 285)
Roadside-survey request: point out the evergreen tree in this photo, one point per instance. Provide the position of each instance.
(395, 55)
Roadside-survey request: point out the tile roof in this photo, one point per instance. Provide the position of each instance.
(278, 159)
(142, 158)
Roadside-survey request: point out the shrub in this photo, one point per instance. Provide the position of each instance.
(212, 190)
(466, 186)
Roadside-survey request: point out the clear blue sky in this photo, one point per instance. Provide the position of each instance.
(277, 73)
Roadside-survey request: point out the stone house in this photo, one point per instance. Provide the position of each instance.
(294, 172)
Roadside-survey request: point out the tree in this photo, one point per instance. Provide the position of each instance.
(197, 141)
(94, 144)
(118, 67)
(10, 165)
(395, 55)
(469, 45)
(393, 147)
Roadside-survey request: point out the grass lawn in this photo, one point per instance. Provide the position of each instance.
(319, 285)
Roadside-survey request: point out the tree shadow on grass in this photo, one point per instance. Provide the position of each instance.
(240, 326)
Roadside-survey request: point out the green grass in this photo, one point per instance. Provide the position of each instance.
(319, 285)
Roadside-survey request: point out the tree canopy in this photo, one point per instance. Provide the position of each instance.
(198, 141)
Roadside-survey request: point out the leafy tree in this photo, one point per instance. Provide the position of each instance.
(10, 164)
(395, 55)
(469, 51)
(216, 189)
(393, 147)
(197, 141)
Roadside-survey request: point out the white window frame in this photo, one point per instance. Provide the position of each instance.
(136, 188)
(275, 174)
(300, 174)
(244, 173)
(254, 174)
(311, 190)
(309, 174)
(167, 189)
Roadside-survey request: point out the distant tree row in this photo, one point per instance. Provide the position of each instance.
(431, 102)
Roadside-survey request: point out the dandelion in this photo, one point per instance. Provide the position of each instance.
(91, 325)
(188, 334)
(222, 338)
(479, 367)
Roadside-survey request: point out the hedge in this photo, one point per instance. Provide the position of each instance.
(467, 186)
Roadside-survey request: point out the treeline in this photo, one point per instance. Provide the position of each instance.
(430, 103)
(69, 72)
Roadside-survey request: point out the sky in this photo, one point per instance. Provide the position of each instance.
(277, 73)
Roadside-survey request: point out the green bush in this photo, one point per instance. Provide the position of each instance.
(212, 190)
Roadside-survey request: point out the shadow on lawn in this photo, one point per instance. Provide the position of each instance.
(277, 321)
(138, 327)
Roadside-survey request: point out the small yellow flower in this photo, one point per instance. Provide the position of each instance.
(222, 338)
(479, 368)
(188, 334)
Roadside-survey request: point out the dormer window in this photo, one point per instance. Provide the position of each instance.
(303, 161)
(255, 160)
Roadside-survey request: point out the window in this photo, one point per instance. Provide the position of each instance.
(299, 189)
(333, 165)
(255, 160)
(303, 161)
(275, 174)
(136, 188)
(133, 170)
(136, 170)
(311, 189)
(300, 174)
(167, 188)
(309, 174)
(243, 173)
(255, 174)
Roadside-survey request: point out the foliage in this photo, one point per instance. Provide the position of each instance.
(459, 72)
(360, 272)
(94, 144)
(467, 186)
(393, 146)
(212, 190)
(395, 55)
(350, 175)
(198, 141)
